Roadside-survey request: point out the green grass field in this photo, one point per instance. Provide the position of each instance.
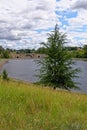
(26, 106)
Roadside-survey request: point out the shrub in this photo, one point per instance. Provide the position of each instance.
(5, 75)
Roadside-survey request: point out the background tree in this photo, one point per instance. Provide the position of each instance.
(5, 54)
(41, 50)
(1, 49)
(57, 68)
(85, 51)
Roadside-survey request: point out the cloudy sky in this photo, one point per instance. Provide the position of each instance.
(25, 23)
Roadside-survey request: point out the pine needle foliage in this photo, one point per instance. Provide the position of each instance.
(57, 67)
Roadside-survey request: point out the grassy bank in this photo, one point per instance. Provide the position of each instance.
(29, 107)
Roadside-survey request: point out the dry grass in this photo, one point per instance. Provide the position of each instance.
(26, 106)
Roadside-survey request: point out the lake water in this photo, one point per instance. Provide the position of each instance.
(26, 70)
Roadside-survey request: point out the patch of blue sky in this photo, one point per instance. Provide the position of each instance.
(18, 43)
(29, 39)
(71, 14)
(84, 28)
(64, 16)
(79, 38)
(68, 13)
(63, 22)
(80, 29)
(43, 30)
(58, 0)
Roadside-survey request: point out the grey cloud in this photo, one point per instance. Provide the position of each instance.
(81, 4)
(41, 7)
(16, 26)
(45, 6)
(9, 37)
(6, 35)
(6, 26)
(27, 26)
(2, 21)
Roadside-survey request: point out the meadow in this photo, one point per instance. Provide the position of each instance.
(26, 106)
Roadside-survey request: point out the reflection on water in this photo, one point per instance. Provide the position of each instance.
(26, 70)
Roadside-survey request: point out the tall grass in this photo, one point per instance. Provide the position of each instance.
(26, 106)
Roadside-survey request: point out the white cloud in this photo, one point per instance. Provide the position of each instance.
(76, 27)
(20, 19)
(25, 23)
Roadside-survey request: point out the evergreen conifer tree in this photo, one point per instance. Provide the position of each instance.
(57, 67)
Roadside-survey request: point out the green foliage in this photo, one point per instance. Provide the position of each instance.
(69, 48)
(57, 68)
(5, 54)
(77, 53)
(1, 49)
(41, 50)
(85, 51)
(23, 51)
(5, 75)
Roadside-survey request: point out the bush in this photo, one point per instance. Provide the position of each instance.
(5, 75)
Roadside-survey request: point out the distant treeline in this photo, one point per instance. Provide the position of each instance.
(4, 53)
(76, 52)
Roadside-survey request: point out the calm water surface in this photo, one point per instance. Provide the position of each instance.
(22, 69)
(26, 70)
